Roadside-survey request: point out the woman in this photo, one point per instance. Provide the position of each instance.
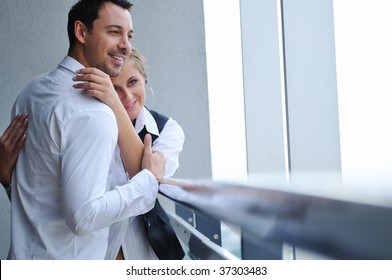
(128, 238)
(126, 96)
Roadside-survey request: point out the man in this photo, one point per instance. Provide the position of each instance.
(62, 201)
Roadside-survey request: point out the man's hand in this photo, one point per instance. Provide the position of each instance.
(153, 160)
(11, 142)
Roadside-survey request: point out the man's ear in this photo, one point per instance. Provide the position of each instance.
(80, 31)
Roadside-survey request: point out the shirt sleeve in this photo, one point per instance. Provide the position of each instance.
(170, 142)
(87, 152)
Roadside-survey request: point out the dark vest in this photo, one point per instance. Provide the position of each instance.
(160, 233)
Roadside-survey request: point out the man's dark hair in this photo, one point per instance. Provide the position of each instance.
(87, 11)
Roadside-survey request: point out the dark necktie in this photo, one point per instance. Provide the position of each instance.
(143, 133)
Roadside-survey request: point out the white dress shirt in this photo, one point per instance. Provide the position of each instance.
(62, 204)
(131, 233)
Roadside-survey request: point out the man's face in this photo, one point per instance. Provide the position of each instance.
(109, 42)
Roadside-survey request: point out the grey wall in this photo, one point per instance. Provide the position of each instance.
(33, 40)
(170, 34)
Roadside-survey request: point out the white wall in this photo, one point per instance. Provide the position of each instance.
(289, 86)
(225, 87)
(263, 87)
(313, 123)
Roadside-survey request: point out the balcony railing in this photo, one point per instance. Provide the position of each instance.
(333, 216)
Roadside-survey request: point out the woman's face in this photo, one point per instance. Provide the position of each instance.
(130, 88)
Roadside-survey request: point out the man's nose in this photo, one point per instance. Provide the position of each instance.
(125, 45)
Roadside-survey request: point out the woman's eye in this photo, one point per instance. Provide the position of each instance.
(116, 89)
(132, 82)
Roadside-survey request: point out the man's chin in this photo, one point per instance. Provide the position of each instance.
(114, 72)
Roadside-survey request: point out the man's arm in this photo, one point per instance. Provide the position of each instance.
(89, 204)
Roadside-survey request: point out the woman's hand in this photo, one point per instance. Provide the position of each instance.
(96, 83)
(11, 142)
(153, 160)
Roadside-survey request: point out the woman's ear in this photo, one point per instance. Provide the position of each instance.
(80, 31)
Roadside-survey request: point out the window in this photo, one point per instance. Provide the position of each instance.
(364, 58)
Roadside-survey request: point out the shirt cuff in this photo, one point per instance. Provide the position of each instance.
(147, 184)
(148, 173)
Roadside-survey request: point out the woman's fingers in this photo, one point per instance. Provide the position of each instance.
(11, 142)
(15, 132)
(92, 79)
(96, 83)
(19, 135)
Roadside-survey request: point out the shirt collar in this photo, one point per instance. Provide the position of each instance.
(146, 119)
(71, 64)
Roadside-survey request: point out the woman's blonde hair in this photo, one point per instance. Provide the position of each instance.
(138, 60)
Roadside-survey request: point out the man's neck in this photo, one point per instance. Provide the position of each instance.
(78, 56)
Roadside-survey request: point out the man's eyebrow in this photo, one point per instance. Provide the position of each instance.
(118, 27)
(114, 26)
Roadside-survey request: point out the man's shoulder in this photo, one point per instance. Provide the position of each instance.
(53, 93)
(61, 75)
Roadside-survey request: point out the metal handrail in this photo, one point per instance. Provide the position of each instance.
(338, 218)
(200, 247)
